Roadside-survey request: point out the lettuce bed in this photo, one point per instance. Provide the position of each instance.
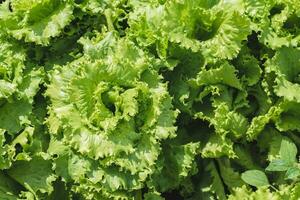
(149, 99)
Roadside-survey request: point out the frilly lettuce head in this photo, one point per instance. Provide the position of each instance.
(108, 117)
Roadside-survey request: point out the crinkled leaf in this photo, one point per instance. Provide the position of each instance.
(35, 175)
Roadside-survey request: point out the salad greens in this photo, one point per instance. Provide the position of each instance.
(149, 99)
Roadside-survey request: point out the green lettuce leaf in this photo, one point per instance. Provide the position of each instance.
(37, 21)
(35, 175)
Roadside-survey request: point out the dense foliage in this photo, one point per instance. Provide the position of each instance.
(149, 99)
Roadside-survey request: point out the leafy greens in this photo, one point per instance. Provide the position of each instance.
(149, 99)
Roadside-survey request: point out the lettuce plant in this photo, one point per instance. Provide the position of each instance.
(149, 99)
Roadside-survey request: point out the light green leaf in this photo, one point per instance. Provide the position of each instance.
(225, 74)
(218, 146)
(38, 21)
(231, 29)
(259, 122)
(12, 113)
(255, 178)
(287, 116)
(288, 151)
(292, 173)
(260, 193)
(6, 89)
(278, 165)
(286, 77)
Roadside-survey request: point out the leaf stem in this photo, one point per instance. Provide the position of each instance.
(109, 21)
(274, 188)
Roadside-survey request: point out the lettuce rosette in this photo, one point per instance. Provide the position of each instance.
(108, 117)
